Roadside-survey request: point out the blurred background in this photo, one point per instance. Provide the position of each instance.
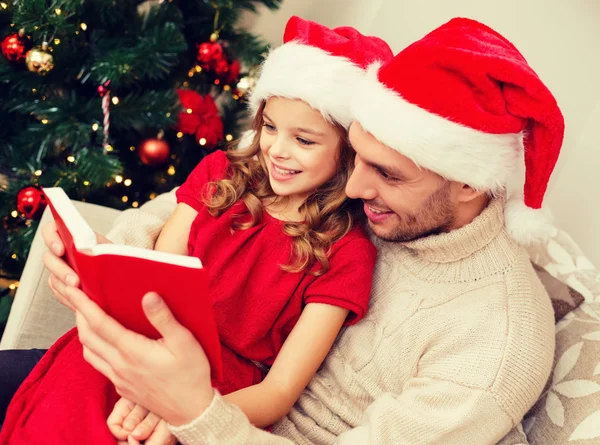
(169, 78)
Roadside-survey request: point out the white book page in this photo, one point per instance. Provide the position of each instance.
(83, 236)
(153, 255)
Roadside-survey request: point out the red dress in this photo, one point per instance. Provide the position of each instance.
(65, 401)
(256, 302)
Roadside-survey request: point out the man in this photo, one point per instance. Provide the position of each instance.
(459, 339)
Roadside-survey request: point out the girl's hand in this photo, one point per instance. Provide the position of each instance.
(61, 275)
(170, 377)
(128, 418)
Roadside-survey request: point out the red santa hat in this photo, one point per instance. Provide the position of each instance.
(463, 102)
(320, 66)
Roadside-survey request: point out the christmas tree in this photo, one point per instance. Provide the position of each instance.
(114, 101)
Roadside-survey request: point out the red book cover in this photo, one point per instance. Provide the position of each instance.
(116, 277)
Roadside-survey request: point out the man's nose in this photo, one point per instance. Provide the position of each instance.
(359, 184)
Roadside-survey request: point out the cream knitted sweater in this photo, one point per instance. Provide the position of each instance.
(456, 347)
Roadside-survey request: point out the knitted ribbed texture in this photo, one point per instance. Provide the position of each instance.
(141, 227)
(456, 347)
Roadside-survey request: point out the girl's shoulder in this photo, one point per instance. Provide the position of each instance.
(211, 168)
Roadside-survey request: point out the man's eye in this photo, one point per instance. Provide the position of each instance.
(385, 176)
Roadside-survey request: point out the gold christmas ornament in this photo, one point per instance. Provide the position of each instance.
(39, 60)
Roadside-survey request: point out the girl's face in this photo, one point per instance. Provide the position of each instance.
(300, 148)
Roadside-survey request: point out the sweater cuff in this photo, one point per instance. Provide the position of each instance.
(213, 426)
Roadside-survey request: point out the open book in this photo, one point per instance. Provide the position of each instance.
(116, 277)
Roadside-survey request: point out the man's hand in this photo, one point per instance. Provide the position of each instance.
(170, 376)
(61, 275)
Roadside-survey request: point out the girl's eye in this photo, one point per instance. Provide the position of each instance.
(269, 127)
(304, 141)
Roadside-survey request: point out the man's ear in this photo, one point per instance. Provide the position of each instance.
(465, 193)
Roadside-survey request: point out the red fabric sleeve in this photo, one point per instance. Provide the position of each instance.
(348, 282)
(212, 168)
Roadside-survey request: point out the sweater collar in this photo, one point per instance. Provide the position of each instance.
(481, 248)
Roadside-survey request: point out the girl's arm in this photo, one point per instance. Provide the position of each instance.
(174, 236)
(299, 359)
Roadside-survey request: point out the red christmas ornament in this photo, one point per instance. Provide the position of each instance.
(234, 71)
(103, 89)
(200, 117)
(15, 46)
(31, 202)
(221, 69)
(226, 72)
(154, 152)
(209, 54)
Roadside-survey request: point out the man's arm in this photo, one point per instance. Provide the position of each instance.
(428, 412)
(141, 227)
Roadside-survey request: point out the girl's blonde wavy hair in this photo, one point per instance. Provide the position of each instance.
(328, 213)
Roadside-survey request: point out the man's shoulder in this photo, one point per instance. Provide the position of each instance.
(502, 316)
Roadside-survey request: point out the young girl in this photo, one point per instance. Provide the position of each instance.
(288, 266)
(272, 223)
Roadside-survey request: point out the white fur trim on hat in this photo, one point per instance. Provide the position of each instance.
(246, 139)
(454, 151)
(308, 73)
(527, 225)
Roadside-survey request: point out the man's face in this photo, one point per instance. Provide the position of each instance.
(402, 201)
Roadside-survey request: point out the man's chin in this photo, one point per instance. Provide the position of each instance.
(392, 234)
(381, 232)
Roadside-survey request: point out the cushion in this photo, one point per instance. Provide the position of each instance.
(569, 410)
(563, 297)
(515, 437)
(561, 258)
